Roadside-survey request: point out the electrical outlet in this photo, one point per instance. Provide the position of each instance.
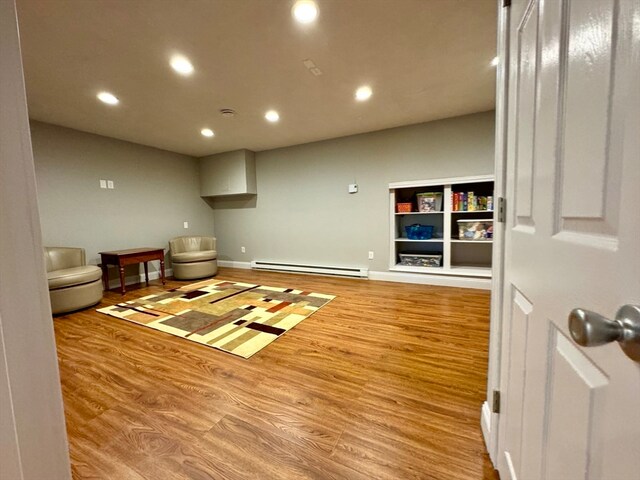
(371, 255)
(243, 250)
(103, 184)
(110, 184)
(185, 224)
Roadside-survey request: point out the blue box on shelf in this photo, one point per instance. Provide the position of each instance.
(419, 232)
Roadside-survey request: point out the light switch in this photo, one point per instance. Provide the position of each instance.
(103, 184)
(186, 224)
(110, 184)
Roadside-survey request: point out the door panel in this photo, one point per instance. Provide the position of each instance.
(574, 413)
(520, 312)
(589, 175)
(526, 86)
(572, 239)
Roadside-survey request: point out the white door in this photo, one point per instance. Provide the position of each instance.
(572, 239)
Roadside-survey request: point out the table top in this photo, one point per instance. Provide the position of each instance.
(132, 251)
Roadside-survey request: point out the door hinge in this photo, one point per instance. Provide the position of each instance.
(502, 209)
(495, 402)
(506, 3)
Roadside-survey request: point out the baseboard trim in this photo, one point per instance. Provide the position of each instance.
(234, 264)
(133, 279)
(401, 277)
(485, 424)
(426, 279)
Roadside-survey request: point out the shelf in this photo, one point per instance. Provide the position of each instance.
(463, 271)
(433, 240)
(420, 213)
(471, 211)
(408, 268)
(471, 270)
(473, 241)
(471, 264)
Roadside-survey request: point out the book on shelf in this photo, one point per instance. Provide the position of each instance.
(470, 202)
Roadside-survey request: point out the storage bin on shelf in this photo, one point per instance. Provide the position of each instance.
(419, 232)
(420, 260)
(478, 229)
(429, 202)
(402, 207)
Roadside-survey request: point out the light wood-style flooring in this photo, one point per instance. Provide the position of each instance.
(384, 382)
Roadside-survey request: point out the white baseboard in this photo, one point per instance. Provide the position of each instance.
(485, 424)
(426, 279)
(234, 264)
(401, 277)
(132, 279)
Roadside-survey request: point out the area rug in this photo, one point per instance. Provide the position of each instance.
(238, 318)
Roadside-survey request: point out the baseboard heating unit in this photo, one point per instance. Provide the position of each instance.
(317, 269)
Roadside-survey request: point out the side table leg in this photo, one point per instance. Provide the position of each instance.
(105, 276)
(122, 289)
(162, 270)
(146, 273)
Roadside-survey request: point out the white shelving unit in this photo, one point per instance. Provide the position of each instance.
(461, 258)
(470, 241)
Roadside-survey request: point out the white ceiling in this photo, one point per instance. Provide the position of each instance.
(424, 59)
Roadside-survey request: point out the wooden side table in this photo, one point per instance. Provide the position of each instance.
(121, 258)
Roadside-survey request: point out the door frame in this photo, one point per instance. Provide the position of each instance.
(32, 431)
(490, 419)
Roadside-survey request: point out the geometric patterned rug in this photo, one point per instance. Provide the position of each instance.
(238, 318)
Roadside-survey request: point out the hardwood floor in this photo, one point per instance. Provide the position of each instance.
(384, 382)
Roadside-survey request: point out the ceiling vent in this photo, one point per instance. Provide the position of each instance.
(227, 112)
(312, 67)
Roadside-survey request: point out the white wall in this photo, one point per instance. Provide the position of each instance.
(303, 213)
(155, 192)
(33, 443)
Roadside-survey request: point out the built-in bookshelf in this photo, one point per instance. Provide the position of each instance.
(468, 199)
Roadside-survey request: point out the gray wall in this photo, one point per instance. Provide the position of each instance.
(155, 192)
(303, 213)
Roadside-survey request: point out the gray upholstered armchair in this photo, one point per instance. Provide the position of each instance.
(72, 283)
(193, 257)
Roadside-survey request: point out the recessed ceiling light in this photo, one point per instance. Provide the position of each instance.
(272, 116)
(107, 97)
(363, 93)
(207, 132)
(181, 64)
(305, 11)
(495, 61)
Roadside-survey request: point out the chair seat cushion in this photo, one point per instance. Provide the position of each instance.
(69, 277)
(200, 256)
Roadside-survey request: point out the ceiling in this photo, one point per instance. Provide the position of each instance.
(424, 60)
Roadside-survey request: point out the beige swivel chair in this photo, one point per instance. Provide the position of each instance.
(193, 257)
(72, 283)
